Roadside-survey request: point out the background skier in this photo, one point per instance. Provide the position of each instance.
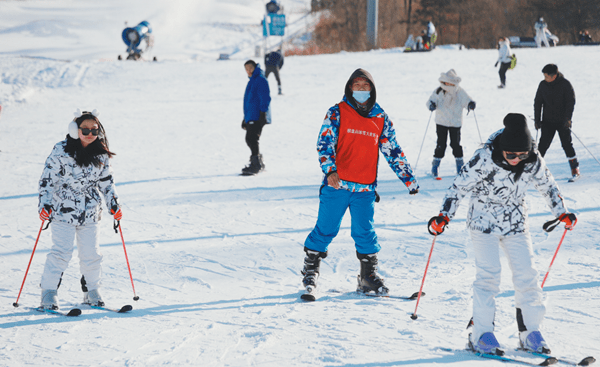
(76, 174)
(553, 109)
(352, 134)
(504, 58)
(497, 177)
(449, 99)
(257, 113)
(273, 64)
(540, 33)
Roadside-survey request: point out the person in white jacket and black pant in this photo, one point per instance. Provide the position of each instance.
(449, 99)
(76, 176)
(497, 177)
(504, 59)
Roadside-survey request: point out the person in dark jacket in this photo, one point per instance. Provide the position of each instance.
(274, 63)
(553, 107)
(257, 113)
(353, 133)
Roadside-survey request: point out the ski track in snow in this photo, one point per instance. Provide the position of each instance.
(216, 257)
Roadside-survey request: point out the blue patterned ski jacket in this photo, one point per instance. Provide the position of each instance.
(327, 142)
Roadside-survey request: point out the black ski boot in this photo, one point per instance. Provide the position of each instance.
(368, 280)
(256, 165)
(312, 262)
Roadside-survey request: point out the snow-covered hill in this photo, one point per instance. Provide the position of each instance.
(216, 257)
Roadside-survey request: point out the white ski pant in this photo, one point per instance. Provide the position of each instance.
(540, 37)
(528, 293)
(90, 259)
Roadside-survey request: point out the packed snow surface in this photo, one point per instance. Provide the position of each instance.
(216, 257)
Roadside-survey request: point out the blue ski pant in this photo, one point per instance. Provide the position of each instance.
(332, 207)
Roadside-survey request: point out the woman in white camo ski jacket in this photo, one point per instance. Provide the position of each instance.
(497, 177)
(76, 176)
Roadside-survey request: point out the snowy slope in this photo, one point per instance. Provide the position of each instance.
(216, 257)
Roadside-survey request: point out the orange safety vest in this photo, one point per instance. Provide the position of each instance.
(357, 151)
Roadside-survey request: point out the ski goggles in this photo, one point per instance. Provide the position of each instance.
(87, 132)
(511, 156)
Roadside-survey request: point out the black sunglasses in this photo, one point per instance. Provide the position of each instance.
(511, 156)
(87, 132)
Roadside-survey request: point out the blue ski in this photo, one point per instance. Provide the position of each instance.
(72, 312)
(547, 362)
(584, 362)
(123, 309)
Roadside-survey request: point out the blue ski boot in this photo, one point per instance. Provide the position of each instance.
(487, 344)
(533, 341)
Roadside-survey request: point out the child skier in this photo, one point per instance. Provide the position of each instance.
(497, 176)
(76, 174)
(449, 99)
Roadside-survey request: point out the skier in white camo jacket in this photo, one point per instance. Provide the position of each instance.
(76, 175)
(498, 176)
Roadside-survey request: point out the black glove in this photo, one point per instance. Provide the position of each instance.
(538, 124)
(471, 105)
(432, 106)
(437, 224)
(568, 124)
(496, 64)
(244, 124)
(263, 118)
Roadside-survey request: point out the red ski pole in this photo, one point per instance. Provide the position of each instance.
(414, 315)
(554, 257)
(118, 224)
(16, 304)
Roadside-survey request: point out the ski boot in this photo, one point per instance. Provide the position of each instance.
(533, 341)
(487, 344)
(280, 90)
(459, 164)
(435, 167)
(502, 86)
(368, 280)
(574, 164)
(49, 299)
(312, 263)
(93, 298)
(256, 165)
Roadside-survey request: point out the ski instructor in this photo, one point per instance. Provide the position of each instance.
(352, 134)
(497, 177)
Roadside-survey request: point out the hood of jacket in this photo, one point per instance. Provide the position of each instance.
(361, 73)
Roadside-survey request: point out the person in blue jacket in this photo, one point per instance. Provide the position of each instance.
(274, 63)
(257, 113)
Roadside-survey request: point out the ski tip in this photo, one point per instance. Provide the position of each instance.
(126, 308)
(308, 297)
(549, 361)
(74, 312)
(416, 295)
(587, 361)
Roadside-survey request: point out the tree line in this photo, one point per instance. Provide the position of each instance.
(473, 23)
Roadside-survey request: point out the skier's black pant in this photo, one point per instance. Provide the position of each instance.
(253, 131)
(503, 67)
(273, 69)
(564, 133)
(442, 137)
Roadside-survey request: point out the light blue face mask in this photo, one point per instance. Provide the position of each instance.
(361, 96)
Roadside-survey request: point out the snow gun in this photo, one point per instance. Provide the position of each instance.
(133, 38)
